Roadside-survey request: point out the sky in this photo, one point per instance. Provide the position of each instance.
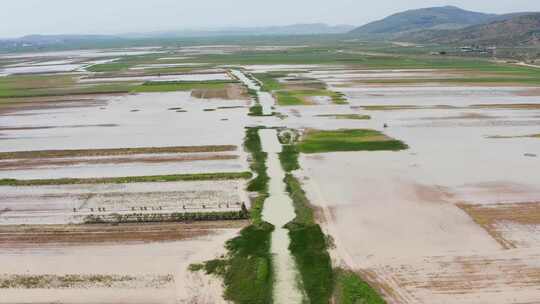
(23, 17)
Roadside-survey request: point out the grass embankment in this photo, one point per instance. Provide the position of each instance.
(113, 152)
(259, 184)
(309, 246)
(175, 217)
(315, 141)
(173, 86)
(247, 270)
(308, 243)
(288, 96)
(127, 180)
(289, 158)
(346, 116)
(514, 136)
(257, 108)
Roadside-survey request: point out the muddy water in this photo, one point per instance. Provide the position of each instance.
(265, 99)
(279, 210)
(180, 77)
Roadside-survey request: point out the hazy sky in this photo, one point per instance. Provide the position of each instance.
(22, 17)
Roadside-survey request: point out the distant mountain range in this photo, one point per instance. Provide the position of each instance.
(453, 25)
(50, 42)
(518, 30)
(287, 30)
(295, 29)
(442, 25)
(446, 17)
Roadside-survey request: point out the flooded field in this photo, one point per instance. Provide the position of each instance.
(74, 204)
(115, 180)
(185, 77)
(451, 219)
(137, 239)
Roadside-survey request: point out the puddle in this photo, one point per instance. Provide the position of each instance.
(279, 210)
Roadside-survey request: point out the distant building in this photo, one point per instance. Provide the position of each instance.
(478, 49)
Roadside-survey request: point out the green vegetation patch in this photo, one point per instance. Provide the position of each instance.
(289, 158)
(174, 217)
(20, 86)
(173, 86)
(514, 136)
(247, 269)
(350, 289)
(309, 247)
(253, 145)
(126, 180)
(113, 152)
(308, 243)
(287, 96)
(109, 67)
(270, 81)
(301, 97)
(256, 110)
(346, 116)
(316, 141)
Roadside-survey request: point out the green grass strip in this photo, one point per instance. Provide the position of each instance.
(346, 116)
(253, 145)
(309, 247)
(127, 180)
(350, 289)
(247, 269)
(113, 152)
(172, 86)
(348, 140)
(289, 158)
